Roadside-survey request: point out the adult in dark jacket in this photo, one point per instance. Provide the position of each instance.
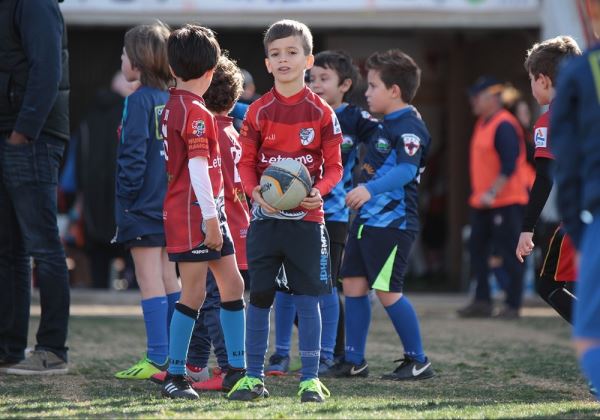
(34, 126)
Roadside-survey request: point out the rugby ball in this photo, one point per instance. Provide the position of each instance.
(285, 183)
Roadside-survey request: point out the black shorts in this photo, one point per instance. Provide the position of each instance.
(338, 234)
(156, 240)
(303, 249)
(202, 253)
(379, 254)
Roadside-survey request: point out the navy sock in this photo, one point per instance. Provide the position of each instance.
(155, 316)
(330, 313)
(200, 343)
(358, 318)
(233, 323)
(172, 299)
(182, 325)
(285, 311)
(257, 339)
(309, 332)
(405, 322)
(590, 364)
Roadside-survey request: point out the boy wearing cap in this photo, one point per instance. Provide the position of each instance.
(498, 194)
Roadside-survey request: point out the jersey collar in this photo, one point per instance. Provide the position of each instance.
(397, 114)
(290, 100)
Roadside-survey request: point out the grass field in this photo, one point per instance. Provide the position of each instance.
(486, 368)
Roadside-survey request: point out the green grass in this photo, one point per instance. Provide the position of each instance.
(485, 368)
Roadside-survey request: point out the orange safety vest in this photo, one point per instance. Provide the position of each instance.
(485, 164)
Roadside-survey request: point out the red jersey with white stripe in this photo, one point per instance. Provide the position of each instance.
(541, 137)
(236, 206)
(301, 127)
(190, 131)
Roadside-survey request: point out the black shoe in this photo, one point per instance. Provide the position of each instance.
(178, 386)
(231, 377)
(248, 389)
(344, 369)
(507, 313)
(410, 370)
(476, 309)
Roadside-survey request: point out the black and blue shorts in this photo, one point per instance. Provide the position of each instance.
(378, 253)
(156, 240)
(303, 249)
(202, 253)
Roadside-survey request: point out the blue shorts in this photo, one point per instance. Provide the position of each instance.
(202, 253)
(379, 254)
(586, 320)
(156, 240)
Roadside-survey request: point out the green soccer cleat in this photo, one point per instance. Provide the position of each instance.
(144, 369)
(313, 390)
(248, 389)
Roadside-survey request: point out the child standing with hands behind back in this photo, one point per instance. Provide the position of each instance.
(141, 187)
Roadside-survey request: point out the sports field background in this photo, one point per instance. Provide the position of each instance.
(486, 368)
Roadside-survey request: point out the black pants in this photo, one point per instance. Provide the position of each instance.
(497, 230)
(28, 182)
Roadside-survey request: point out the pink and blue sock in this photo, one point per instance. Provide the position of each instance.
(358, 319)
(182, 325)
(330, 313)
(285, 311)
(405, 322)
(309, 334)
(157, 341)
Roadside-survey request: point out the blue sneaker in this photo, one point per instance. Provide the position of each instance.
(325, 365)
(278, 365)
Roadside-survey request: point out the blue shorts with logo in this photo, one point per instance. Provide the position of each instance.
(202, 253)
(378, 253)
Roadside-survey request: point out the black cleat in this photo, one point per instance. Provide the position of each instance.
(410, 370)
(313, 390)
(232, 376)
(343, 369)
(178, 386)
(248, 389)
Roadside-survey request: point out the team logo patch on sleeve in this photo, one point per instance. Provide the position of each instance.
(337, 129)
(541, 137)
(412, 142)
(199, 127)
(307, 135)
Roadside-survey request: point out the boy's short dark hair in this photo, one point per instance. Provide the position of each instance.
(544, 57)
(226, 86)
(397, 68)
(146, 47)
(193, 50)
(341, 63)
(283, 29)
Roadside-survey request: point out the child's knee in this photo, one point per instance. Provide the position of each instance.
(263, 299)
(582, 345)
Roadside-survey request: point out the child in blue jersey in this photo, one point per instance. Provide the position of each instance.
(386, 226)
(332, 78)
(140, 190)
(575, 127)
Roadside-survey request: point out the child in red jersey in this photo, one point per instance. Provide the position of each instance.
(554, 284)
(195, 224)
(290, 121)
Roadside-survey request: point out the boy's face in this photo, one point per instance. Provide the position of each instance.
(131, 74)
(325, 82)
(286, 59)
(379, 97)
(541, 88)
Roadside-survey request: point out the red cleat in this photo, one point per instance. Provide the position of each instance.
(212, 384)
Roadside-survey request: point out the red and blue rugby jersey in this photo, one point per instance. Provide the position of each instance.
(301, 127)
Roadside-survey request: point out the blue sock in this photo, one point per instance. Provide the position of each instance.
(172, 299)
(330, 314)
(285, 311)
(358, 318)
(157, 341)
(233, 323)
(257, 339)
(182, 325)
(590, 364)
(405, 321)
(309, 333)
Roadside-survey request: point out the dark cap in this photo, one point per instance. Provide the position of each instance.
(485, 83)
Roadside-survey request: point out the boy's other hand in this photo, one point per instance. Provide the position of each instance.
(257, 197)
(313, 200)
(213, 238)
(525, 245)
(357, 197)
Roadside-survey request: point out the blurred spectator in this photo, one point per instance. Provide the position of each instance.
(249, 94)
(498, 194)
(96, 158)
